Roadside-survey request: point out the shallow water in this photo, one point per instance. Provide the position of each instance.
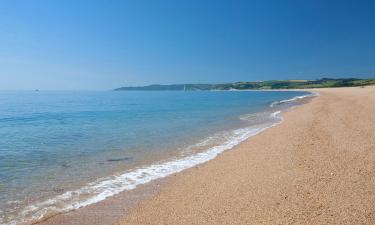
(63, 150)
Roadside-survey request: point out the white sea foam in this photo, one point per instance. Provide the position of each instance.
(276, 115)
(107, 187)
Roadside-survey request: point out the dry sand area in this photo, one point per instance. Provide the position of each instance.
(317, 167)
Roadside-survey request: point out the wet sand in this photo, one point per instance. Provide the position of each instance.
(317, 167)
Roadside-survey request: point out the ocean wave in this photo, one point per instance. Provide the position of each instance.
(313, 94)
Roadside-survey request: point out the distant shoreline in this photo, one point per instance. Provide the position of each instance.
(257, 85)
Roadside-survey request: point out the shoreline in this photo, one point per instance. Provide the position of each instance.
(152, 203)
(154, 184)
(314, 168)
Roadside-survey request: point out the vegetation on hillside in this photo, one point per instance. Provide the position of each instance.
(257, 85)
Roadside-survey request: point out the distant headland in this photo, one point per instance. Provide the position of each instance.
(256, 85)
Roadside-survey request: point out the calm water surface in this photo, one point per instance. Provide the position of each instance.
(52, 142)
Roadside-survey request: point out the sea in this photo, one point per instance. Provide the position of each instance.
(62, 150)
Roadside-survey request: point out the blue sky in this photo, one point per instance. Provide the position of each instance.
(98, 45)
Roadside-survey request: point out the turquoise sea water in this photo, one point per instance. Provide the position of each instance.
(64, 150)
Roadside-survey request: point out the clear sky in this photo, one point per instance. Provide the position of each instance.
(108, 44)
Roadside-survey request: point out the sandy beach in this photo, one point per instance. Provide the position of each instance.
(317, 167)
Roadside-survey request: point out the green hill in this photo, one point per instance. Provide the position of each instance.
(257, 85)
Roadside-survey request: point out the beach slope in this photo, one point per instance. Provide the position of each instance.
(317, 167)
